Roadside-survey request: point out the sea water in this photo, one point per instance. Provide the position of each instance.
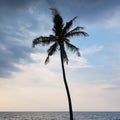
(59, 116)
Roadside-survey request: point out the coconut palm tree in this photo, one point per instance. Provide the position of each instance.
(60, 39)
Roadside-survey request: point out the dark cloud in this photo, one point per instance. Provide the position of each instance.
(13, 42)
(21, 4)
(16, 28)
(10, 54)
(89, 11)
(15, 8)
(16, 4)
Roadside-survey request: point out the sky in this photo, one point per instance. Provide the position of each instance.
(26, 84)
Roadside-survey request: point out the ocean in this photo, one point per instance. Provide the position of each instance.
(59, 116)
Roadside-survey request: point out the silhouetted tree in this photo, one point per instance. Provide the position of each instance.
(60, 38)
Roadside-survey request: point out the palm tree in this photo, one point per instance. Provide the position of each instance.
(60, 40)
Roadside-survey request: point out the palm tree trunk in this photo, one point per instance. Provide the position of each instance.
(66, 86)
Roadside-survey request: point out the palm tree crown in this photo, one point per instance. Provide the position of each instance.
(59, 40)
(61, 37)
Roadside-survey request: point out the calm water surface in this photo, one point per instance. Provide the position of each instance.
(59, 116)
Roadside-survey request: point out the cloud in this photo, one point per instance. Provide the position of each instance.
(30, 89)
(34, 83)
(92, 50)
(22, 21)
(17, 34)
(114, 20)
(89, 12)
(22, 69)
(10, 55)
(14, 47)
(75, 62)
(15, 5)
(113, 88)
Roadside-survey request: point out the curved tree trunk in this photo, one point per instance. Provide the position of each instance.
(66, 86)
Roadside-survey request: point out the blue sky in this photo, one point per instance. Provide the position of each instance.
(94, 79)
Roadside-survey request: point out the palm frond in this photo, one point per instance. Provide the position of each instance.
(57, 21)
(68, 26)
(76, 33)
(47, 60)
(72, 48)
(65, 58)
(43, 40)
(54, 11)
(61, 36)
(51, 51)
(66, 40)
(76, 29)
